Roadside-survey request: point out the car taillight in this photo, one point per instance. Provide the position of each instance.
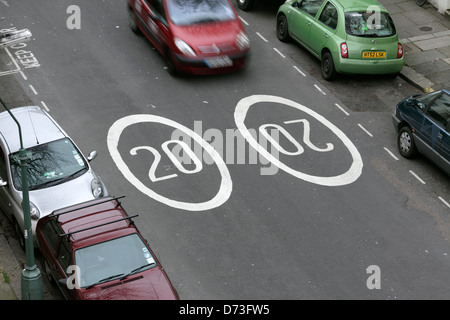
(344, 50)
(399, 51)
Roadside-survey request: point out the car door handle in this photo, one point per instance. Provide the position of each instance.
(440, 135)
(326, 35)
(308, 23)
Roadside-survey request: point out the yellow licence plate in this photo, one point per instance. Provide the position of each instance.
(374, 54)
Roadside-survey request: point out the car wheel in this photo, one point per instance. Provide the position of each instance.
(132, 22)
(171, 68)
(282, 28)
(244, 4)
(328, 71)
(405, 142)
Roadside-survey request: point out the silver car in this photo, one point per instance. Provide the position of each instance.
(58, 173)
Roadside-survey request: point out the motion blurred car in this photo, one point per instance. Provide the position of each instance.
(58, 173)
(348, 36)
(198, 37)
(94, 251)
(423, 125)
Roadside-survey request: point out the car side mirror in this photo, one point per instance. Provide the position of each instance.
(62, 282)
(92, 156)
(3, 183)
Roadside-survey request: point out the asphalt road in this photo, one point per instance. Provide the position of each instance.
(312, 227)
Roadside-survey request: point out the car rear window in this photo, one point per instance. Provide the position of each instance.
(368, 24)
(184, 12)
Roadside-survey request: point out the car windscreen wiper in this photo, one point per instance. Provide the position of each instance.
(104, 280)
(136, 270)
(57, 181)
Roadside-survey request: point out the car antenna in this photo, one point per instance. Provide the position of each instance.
(32, 124)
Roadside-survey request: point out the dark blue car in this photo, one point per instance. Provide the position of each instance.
(423, 125)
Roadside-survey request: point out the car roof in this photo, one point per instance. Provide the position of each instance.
(90, 219)
(359, 4)
(36, 125)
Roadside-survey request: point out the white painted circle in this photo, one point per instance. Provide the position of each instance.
(348, 177)
(226, 184)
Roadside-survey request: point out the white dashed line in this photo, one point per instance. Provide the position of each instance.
(264, 39)
(416, 176)
(445, 202)
(365, 130)
(245, 22)
(32, 89)
(320, 90)
(300, 71)
(23, 75)
(342, 109)
(278, 51)
(390, 153)
(45, 106)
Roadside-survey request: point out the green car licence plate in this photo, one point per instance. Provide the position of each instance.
(374, 54)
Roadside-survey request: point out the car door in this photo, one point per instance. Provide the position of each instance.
(7, 202)
(301, 18)
(323, 28)
(153, 17)
(439, 112)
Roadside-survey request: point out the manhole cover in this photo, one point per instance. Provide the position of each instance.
(426, 28)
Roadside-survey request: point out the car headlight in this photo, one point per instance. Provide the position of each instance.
(97, 189)
(184, 47)
(242, 41)
(34, 212)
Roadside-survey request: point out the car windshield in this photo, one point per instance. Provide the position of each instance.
(367, 24)
(49, 164)
(187, 12)
(112, 259)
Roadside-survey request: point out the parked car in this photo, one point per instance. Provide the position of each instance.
(247, 5)
(94, 251)
(199, 37)
(423, 125)
(347, 36)
(58, 173)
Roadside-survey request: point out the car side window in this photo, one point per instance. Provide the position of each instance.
(157, 6)
(311, 7)
(439, 110)
(65, 254)
(51, 235)
(329, 16)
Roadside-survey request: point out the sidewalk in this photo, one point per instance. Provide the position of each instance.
(425, 34)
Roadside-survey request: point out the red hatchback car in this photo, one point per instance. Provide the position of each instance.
(94, 251)
(198, 37)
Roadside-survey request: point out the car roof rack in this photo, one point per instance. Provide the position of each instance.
(86, 206)
(97, 226)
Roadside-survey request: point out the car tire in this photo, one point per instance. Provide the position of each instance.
(327, 67)
(171, 68)
(48, 274)
(132, 21)
(405, 143)
(245, 4)
(282, 28)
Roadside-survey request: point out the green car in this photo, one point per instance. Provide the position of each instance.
(348, 36)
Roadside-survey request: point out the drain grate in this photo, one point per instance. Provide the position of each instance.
(426, 28)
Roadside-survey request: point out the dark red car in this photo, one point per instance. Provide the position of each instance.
(198, 36)
(94, 251)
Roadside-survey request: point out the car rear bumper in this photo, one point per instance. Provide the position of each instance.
(199, 65)
(359, 66)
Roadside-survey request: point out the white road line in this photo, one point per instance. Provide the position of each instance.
(245, 22)
(365, 130)
(416, 176)
(278, 51)
(445, 202)
(342, 109)
(390, 153)
(45, 106)
(300, 71)
(320, 90)
(23, 75)
(264, 39)
(32, 89)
